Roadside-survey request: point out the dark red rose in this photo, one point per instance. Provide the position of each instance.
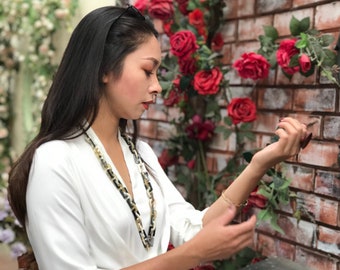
(183, 44)
(284, 54)
(217, 42)
(187, 66)
(142, 5)
(253, 66)
(200, 130)
(173, 98)
(241, 110)
(305, 63)
(161, 9)
(255, 200)
(204, 267)
(183, 6)
(166, 160)
(207, 82)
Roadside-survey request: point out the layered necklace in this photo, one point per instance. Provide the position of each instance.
(147, 239)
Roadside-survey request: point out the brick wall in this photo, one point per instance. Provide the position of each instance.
(316, 173)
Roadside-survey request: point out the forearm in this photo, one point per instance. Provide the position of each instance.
(183, 257)
(237, 193)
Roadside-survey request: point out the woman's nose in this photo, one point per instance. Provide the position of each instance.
(156, 86)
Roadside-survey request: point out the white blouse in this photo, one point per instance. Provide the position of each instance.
(77, 219)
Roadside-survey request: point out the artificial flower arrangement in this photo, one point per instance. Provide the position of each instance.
(306, 52)
(27, 50)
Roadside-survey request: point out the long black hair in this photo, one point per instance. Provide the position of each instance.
(98, 45)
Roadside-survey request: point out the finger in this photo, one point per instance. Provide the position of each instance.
(246, 226)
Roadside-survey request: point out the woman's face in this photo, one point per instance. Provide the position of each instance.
(130, 95)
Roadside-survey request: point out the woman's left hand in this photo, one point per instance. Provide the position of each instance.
(291, 134)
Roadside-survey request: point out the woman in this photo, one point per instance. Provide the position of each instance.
(91, 197)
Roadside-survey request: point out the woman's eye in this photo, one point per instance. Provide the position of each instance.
(148, 73)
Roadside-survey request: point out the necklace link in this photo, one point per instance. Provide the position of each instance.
(147, 239)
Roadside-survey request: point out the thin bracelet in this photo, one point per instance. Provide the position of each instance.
(227, 200)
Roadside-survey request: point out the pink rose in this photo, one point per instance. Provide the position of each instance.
(253, 66)
(207, 82)
(241, 110)
(305, 63)
(183, 44)
(161, 9)
(285, 53)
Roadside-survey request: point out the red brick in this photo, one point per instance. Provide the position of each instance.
(301, 177)
(148, 128)
(327, 16)
(250, 29)
(315, 260)
(266, 245)
(301, 232)
(321, 209)
(329, 240)
(283, 98)
(331, 129)
(320, 153)
(328, 183)
(228, 31)
(322, 100)
(245, 7)
(264, 6)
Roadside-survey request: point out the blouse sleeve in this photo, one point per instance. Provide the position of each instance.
(185, 220)
(55, 223)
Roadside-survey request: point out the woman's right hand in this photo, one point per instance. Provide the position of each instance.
(220, 240)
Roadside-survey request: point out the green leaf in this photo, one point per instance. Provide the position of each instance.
(304, 24)
(294, 26)
(328, 58)
(248, 156)
(264, 215)
(271, 32)
(275, 226)
(228, 121)
(326, 40)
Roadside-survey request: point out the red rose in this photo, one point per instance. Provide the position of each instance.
(241, 110)
(167, 28)
(183, 44)
(284, 54)
(196, 18)
(207, 82)
(200, 130)
(305, 63)
(255, 200)
(253, 66)
(161, 9)
(217, 42)
(142, 5)
(191, 164)
(172, 99)
(183, 6)
(166, 160)
(187, 66)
